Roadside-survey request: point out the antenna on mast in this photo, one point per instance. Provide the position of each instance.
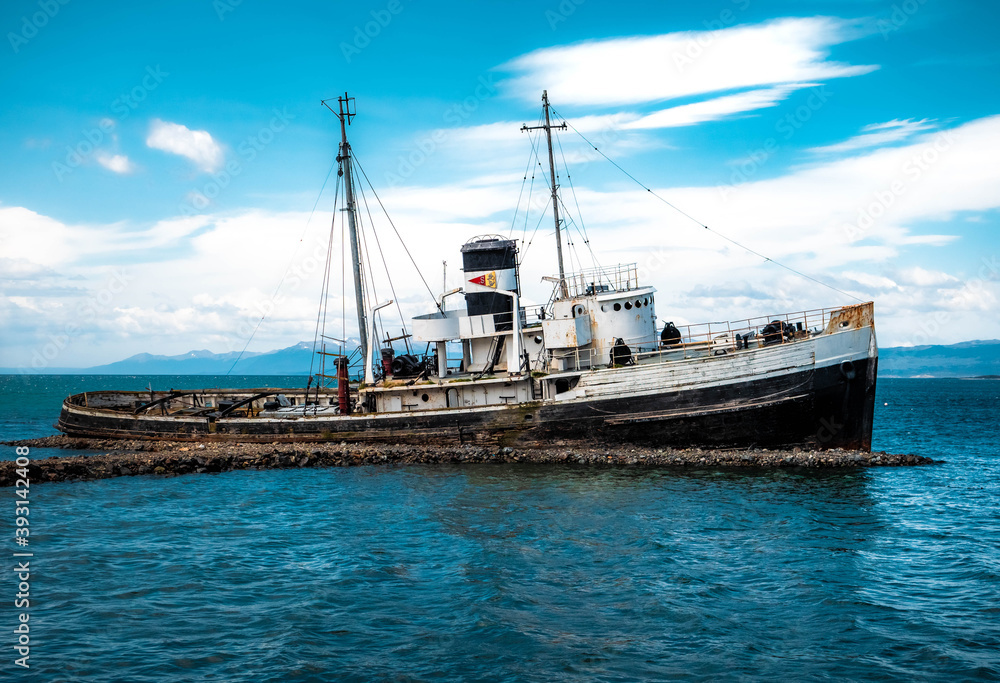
(344, 159)
(548, 127)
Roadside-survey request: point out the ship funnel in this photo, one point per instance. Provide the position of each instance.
(491, 261)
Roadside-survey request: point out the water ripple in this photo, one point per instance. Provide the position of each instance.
(485, 573)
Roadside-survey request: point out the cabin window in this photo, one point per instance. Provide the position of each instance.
(538, 339)
(425, 398)
(628, 305)
(618, 307)
(645, 302)
(638, 304)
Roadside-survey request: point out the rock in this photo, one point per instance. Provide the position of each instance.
(126, 457)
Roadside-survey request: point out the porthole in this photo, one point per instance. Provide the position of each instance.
(425, 398)
(645, 302)
(638, 304)
(618, 307)
(628, 305)
(604, 308)
(538, 339)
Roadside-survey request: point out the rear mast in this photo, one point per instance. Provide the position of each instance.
(555, 188)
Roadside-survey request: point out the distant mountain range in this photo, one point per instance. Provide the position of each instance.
(293, 360)
(967, 359)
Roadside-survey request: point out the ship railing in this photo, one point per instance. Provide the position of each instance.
(161, 402)
(700, 340)
(621, 278)
(531, 315)
(504, 321)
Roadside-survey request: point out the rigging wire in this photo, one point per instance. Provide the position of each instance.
(369, 281)
(548, 203)
(582, 226)
(527, 206)
(385, 265)
(400, 237)
(326, 301)
(524, 180)
(571, 222)
(524, 253)
(571, 250)
(532, 137)
(567, 222)
(287, 270)
(696, 221)
(325, 289)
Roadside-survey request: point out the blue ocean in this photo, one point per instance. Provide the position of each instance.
(521, 573)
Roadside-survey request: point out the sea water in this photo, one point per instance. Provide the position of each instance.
(514, 572)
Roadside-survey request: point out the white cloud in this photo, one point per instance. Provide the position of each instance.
(766, 62)
(196, 145)
(875, 283)
(672, 117)
(878, 135)
(714, 109)
(926, 278)
(47, 242)
(501, 144)
(118, 163)
(656, 68)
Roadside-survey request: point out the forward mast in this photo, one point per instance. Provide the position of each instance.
(344, 159)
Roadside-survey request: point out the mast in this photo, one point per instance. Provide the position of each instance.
(344, 158)
(555, 189)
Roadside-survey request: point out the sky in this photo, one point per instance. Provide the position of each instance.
(161, 161)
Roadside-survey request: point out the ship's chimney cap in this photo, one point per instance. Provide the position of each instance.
(488, 243)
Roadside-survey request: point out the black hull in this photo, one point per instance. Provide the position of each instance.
(824, 408)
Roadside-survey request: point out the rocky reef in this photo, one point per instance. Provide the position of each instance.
(164, 458)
